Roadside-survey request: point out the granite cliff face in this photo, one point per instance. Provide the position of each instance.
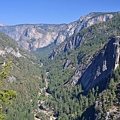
(31, 37)
(74, 41)
(99, 67)
(9, 50)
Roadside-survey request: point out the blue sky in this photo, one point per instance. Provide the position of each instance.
(51, 11)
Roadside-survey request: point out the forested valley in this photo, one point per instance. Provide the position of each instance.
(43, 86)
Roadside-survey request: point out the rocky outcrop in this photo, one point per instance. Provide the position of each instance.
(68, 64)
(73, 43)
(11, 79)
(31, 37)
(9, 50)
(114, 111)
(99, 67)
(16, 53)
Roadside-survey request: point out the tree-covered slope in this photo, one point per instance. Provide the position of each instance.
(69, 100)
(58, 91)
(25, 78)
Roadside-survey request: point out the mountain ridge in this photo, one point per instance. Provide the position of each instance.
(80, 46)
(84, 73)
(85, 61)
(34, 36)
(74, 41)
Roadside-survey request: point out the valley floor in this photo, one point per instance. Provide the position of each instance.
(41, 103)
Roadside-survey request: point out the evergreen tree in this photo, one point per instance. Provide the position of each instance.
(5, 95)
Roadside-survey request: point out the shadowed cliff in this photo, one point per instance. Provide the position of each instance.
(100, 68)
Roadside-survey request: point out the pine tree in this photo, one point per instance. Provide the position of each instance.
(5, 95)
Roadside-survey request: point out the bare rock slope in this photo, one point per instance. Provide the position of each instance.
(100, 68)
